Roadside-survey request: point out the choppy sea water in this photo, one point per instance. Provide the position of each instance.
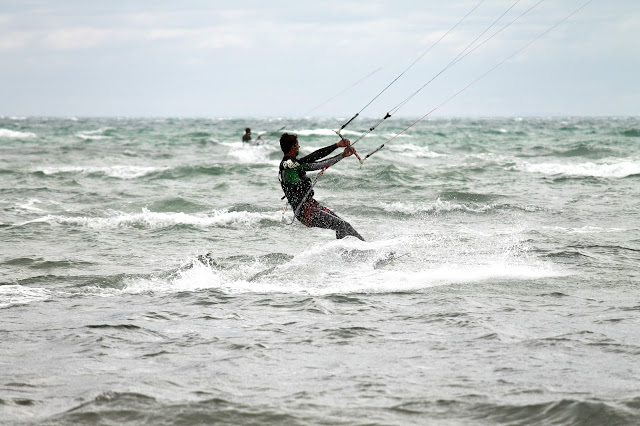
(146, 276)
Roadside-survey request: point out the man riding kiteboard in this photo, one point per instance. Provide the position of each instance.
(298, 188)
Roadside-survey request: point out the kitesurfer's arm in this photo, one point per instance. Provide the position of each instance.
(323, 152)
(329, 161)
(322, 164)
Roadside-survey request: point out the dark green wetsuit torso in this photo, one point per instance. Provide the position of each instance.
(293, 173)
(298, 189)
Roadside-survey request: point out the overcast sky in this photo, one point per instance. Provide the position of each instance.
(285, 58)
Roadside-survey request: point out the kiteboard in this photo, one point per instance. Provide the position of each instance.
(389, 258)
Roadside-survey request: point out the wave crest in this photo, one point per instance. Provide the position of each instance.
(118, 172)
(604, 170)
(13, 134)
(155, 220)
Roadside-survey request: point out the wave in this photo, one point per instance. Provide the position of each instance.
(11, 295)
(438, 206)
(587, 229)
(613, 170)
(586, 151)
(467, 196)
(176, 204)
(495, 131)
(13, 134)
(39, 263)
(29, 205)
(395, 136)
(561, 254)
(130, 407)
(305, 278)
(413, 151)
(568, 128)
(118, 172)
(608, 248)
(138, 408)
(444, 204)
(96, 135)
(155, 220)
(93, 137)
(559, 412)
(339, 267)
(350, 266)
(186, 171)
(252, 154)
(632, 133)
(198, 135)
(213, 170)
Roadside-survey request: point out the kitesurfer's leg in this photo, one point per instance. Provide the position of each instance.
(313, 214)
(327, 219)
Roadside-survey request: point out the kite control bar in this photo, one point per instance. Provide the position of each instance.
(352, 148)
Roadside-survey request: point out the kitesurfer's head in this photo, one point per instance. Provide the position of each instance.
(289, 144)
(247, 130)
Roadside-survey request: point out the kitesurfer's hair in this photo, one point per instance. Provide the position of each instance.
(247, 130)
(287, 140)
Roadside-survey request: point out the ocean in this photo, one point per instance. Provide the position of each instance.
(148, 275)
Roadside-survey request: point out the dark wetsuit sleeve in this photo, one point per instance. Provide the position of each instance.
(321, 153)
(322, 164)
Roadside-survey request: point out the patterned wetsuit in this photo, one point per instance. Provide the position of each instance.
(297, 188)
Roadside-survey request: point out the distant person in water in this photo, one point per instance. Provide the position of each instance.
(246, 138)
(247, 135)
(298, 189)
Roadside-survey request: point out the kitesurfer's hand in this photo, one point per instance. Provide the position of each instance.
(348, 151)
(344, 142)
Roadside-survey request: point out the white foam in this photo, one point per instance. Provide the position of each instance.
(18, 295)
(252, 154)
(155, 220)
(586, 230)
(413, 151)
(12, 134)
(94, 134)
(607, 170)
(396, 136)
(235, 145)
(321, 269)
(120, 171)
(407, 276)
(300, 277)
(198, 277)
(491, 156)
(438, 206)
(92, 137)
(29, 205)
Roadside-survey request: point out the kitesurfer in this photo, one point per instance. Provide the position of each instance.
(298, 188)
(246, 138)
(247, 135)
